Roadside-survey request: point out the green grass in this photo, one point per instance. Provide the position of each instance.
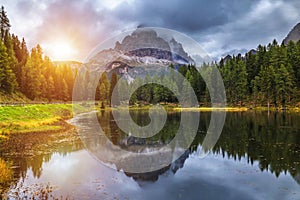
(15, 97)
(34, 118)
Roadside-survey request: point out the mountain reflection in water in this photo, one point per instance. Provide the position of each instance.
(256, 155)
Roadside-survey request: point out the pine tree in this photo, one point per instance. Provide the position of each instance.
(7, 77)
(147, 90)
(252, 69)
(113, 83)
(267, 83)
(21, 54)
(255, 85)
(4, 23)
(217, 93)
(65, 90)
(3, 65)
(186, 93)
(69, 78)
(262, 57)
(284, 85)
(43, 87)
(228, 79)
(79, 85)
(123, 90)
(136, 91)
(293, 58)
(11, 59)
(240, 81)
(50, 88)
(104, 88)
(31, 82)
(20, 74)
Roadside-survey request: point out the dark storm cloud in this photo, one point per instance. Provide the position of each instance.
(188, 16)
(219, 25)
(267, 20)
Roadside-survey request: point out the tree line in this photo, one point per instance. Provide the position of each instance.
(30, 73)
(163, 88)
(267, 76)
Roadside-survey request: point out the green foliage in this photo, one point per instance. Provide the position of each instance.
(4, 23)
(235, 74)
(32, 74)
(265, 83)
(102, 92)
(270, 75)
(7, 77)
(284, 85)
(113, 83)
(34, 117)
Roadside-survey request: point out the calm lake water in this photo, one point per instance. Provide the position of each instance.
(256, 157)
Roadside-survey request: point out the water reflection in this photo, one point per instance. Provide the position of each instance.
(28, 152)
(272, 140)
(256, 157)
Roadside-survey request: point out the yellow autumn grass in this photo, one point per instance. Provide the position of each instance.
(5, 172)
(174, 108)
(209, 109)
(35, 118)
(27, 126)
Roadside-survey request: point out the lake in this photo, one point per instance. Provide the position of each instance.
(256, 157)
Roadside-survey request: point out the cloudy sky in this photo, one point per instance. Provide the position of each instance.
(220, 26)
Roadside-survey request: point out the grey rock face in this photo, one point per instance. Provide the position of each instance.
(294, 35)
(142, 39)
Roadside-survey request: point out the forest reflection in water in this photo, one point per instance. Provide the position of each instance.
(271, 141)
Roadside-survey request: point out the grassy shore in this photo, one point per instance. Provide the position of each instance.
(209, 109)
(34, 118)
(5, 173)
(50, 117)
(178, 108)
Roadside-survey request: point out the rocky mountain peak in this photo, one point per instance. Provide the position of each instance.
(142, 39)
(294, 35)
(146, 42)
(177, 47)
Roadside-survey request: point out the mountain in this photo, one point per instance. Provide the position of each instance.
(293, 35)
(140, 53)
(142, 47)
(141, 38)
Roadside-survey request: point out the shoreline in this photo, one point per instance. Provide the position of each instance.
(204, 109)
(53, 117)
(35, 118)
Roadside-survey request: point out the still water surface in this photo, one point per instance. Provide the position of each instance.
(256, 157)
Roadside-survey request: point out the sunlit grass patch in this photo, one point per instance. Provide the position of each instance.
(5, 172)
(209, 109)
(33, 118)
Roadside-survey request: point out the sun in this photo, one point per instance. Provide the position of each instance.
(60, 50)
